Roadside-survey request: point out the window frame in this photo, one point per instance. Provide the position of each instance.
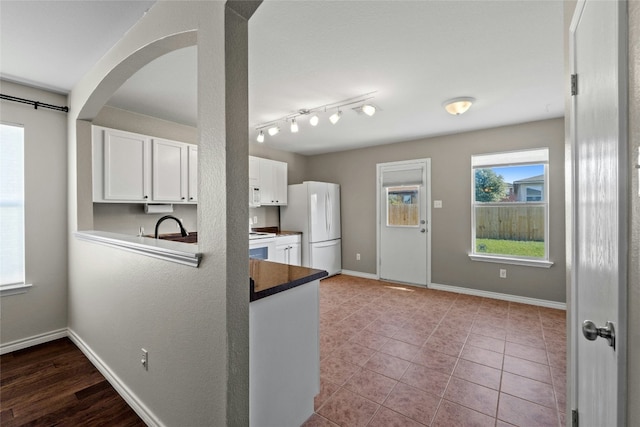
(534, 156)
(20, 287)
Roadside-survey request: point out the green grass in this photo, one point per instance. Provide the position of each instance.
(510, 247)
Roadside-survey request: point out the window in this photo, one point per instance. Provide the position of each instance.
(403, 208)
(11, 207)
(511, 207)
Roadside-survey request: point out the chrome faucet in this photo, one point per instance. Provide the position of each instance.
(183, 231)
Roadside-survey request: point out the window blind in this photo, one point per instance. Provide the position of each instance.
(11, 204)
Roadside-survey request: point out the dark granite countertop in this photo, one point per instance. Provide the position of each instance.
(277, 231)
(269, 278)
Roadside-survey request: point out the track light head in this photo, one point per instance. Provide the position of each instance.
(273, 130)
(260, 137)
(335, 117)
(294, 126)
(368, 109)
(314, 120)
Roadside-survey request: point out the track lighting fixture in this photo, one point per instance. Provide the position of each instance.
(359, 104)
(273, 130)
(335, 117)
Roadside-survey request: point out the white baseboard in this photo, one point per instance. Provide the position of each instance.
(140, 408)
(497, 295)
(360, 274)
(34, 340)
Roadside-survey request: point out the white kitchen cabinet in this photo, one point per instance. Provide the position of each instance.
(254, 171)
(122, 166)
(193, 173)
(135, 168)
(170, 173)
(273, 183)
(288, 250)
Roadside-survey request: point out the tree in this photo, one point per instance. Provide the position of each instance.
(490, 187)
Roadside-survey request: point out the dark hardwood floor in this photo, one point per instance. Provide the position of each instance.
(54, 384)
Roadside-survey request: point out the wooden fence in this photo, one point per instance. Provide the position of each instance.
(404, 214)
(510, 222)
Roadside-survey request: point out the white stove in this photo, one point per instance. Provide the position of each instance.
(260, 235)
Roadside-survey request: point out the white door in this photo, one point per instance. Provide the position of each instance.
(404, 221)
(193, 173)
(598, 117)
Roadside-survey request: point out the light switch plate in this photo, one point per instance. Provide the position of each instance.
(437, 204)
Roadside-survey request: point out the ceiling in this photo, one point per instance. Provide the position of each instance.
(303, 54)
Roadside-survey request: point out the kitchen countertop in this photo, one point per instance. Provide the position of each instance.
(276, 230)
(269, 278)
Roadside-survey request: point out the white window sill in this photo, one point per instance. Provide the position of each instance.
(15, 289)
(510, 260)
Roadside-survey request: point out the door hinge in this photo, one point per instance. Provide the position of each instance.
(574, 84)
(574, 418)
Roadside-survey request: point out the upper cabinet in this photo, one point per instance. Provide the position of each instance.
(273, 182)
(124, 160)
(130, 168)
(193, 173)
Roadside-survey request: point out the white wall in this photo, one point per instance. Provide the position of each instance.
(193, 321)
(43, 308)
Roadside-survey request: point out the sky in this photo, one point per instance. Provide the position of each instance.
(515, 173)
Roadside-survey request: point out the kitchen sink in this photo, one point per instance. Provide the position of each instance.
(177, 237)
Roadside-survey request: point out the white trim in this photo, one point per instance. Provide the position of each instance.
(511, 158)
(181, 253)
(496, 295)
(125, 392)
(14, 289)
(31, 341)
(360, 274)
(515, 261)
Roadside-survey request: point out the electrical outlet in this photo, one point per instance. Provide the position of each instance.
(255, 219)
(357, 257)
(145, 359)
(503, 273)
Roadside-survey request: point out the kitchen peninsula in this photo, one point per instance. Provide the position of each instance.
(284, 350)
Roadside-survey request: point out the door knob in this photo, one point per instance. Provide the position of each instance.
(591, 332)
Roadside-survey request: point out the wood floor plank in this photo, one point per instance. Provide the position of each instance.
(55, 384)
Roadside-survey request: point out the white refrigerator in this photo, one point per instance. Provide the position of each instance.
(314, 209)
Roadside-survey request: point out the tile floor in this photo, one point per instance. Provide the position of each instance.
(403, 356)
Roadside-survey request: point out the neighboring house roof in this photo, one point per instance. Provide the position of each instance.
(532, 180)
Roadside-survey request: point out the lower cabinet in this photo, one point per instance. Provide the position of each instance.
(288, 250)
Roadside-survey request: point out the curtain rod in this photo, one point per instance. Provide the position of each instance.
(35, 104)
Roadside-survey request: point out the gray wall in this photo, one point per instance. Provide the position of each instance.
(43, 308)
(633, 346)
(450, 155)
(193, 321)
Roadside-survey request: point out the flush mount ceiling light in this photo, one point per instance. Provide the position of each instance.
(273, 130)
(335, 117)
(360, 102)
(457, 106)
